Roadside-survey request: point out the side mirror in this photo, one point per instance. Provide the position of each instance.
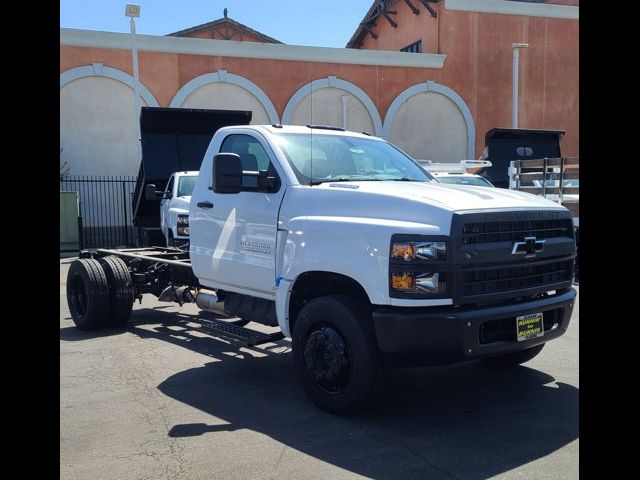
(227, 173)
(150, 192)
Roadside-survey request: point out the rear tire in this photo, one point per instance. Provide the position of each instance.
(121, 293)
(87, 294)
(335, 353)
(513, 359)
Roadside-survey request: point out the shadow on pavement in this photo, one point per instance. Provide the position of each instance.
(459, 421)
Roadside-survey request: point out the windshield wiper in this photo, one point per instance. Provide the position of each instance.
(343, 179)
(404, 180)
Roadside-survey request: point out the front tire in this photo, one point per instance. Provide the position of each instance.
(87, 294)
(513, 359)
(335, 353)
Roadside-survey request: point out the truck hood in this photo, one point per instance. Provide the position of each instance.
(181, 203)
(402, 206)
(446, 196)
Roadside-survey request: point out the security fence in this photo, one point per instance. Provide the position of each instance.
(105, 209)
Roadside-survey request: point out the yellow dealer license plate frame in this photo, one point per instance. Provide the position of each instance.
(529, 326)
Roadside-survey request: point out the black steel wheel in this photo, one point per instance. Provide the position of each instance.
(335, 353)
(87, 294)
(121, 292)
(513, 359)
(327, 360)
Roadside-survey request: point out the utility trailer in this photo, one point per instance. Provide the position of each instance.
(103, 285)
(173, 140)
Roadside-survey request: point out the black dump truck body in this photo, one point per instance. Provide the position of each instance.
(173, 139)
(507, 144)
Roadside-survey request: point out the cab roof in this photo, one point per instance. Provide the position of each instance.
(310, 129)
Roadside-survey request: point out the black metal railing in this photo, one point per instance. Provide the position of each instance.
(105, 209)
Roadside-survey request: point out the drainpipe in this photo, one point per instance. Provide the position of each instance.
(516, 58)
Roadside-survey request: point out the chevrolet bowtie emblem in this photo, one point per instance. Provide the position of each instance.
(529, 247)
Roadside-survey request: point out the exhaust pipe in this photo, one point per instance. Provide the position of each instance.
(205, 299)
(208, 300)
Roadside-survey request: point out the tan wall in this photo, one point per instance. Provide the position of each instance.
(477, 67)
(225, 96)
(479, 64)
(440, 136)
(98, 132)
(327, 110)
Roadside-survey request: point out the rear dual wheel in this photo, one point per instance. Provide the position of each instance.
(87, 294)
(121, 292)
(99, 292)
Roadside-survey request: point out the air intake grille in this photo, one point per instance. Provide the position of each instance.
(487, 232)
(481, 281)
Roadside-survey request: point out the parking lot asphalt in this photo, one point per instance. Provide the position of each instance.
(160, 399)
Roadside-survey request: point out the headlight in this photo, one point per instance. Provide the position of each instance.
(418, 266)
(431, 283)
(183, 225)
(412, 251)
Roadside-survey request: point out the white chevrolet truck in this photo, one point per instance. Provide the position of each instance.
(174, 207)
(350, 248)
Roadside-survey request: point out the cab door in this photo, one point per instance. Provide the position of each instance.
(233, 236)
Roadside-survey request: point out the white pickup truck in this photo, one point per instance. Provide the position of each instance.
(174, 207)
(350, 248)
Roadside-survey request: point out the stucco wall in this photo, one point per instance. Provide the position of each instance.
(477, 69)
(479, 63)
(430, 126)
(225, 96)
(97, 127)
(326, 104)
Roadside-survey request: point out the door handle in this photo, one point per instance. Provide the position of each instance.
(205, 204)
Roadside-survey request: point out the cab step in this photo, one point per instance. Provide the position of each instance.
(248, 336)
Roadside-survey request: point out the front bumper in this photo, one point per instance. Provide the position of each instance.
(442, 335)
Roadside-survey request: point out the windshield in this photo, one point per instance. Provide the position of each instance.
(325, 158)
(186, 184)
(476, 181)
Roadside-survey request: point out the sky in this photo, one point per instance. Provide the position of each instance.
(321, 23)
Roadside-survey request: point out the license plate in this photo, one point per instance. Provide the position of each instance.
(529, 326)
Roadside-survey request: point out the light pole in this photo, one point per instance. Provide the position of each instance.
(133, 11)
(516, 57)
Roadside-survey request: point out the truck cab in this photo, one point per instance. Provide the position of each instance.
(174, 207)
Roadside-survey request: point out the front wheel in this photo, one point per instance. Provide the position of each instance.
(335, 354)
(513, 359)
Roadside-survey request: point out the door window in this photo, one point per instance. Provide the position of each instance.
(252, 155)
